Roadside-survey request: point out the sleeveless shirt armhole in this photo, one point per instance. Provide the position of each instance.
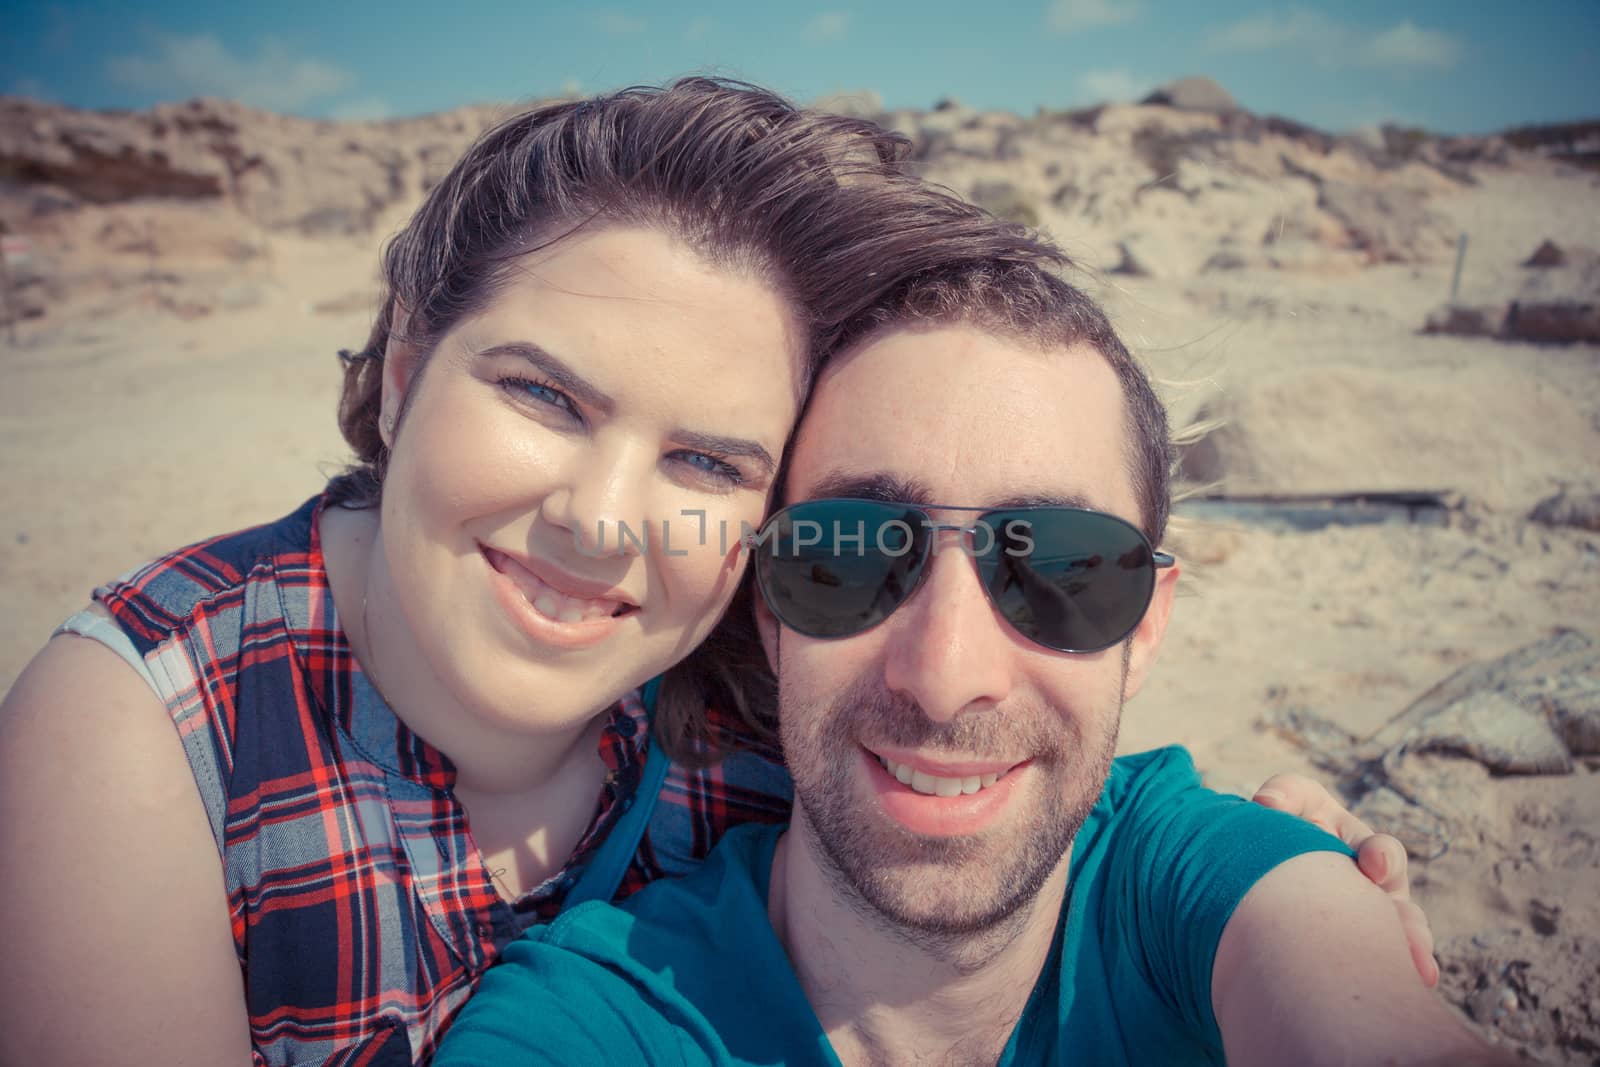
(97, 626)
(93, 623)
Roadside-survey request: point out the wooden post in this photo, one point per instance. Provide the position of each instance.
(1461, 257)
(5, 290)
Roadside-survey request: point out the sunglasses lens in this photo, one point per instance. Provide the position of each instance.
(1074, 581)
(832, 568)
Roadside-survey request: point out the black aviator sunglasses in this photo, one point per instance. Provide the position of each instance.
(1070, 579)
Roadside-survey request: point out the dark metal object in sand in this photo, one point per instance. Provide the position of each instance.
(1316, 511)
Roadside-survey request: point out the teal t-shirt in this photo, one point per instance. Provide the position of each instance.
(690, 971)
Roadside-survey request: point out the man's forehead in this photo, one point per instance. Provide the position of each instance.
(959, 416)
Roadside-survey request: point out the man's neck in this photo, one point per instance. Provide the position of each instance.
(892, 996)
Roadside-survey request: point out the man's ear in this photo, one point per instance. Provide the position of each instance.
(767, 627)
(1146, 641)
(401, 359)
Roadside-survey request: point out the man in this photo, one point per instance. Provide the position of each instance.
(959, 598)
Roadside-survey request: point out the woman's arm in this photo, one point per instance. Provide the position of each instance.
(115, 917)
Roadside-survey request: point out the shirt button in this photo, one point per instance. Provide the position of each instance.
(627, 802)
(628, 726)
(484, 929)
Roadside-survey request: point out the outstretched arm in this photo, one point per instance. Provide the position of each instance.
(1311, 969)
(1382, 858)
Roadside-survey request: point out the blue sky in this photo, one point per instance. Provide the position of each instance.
(1452, 66)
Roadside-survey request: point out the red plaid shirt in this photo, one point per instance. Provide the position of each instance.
(363, 914)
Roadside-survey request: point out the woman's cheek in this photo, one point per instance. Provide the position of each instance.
(707, 560)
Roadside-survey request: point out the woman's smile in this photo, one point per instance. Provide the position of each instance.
(547, 614)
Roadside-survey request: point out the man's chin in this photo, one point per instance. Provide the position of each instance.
(938, 900)
(935, 886)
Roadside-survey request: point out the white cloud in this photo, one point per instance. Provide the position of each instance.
(1116, 86)
(1312, 35)
(619, 23)
(1265, 32)
(1068, 16)
(1409, 45)
(201, 65)
(828, 26)
(364, 108)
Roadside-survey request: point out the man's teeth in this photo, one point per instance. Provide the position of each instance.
(938, 787)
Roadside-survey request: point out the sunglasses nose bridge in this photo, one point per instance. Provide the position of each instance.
(942, 534)
(945, 649)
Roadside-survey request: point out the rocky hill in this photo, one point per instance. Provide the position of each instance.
(1180, 186)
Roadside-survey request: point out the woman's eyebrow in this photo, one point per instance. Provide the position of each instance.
(727, 446)
(560, 375)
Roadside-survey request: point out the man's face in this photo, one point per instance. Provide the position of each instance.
(958, 417)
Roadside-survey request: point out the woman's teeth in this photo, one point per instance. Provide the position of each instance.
(570, 609)
(558, 606)
(939, 787)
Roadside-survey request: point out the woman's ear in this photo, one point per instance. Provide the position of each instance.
(400, 362)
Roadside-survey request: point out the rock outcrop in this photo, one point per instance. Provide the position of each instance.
(1558, 302)
(1193, 94)
(1172, 188)
(278, 171)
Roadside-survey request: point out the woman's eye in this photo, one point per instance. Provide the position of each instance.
(708, 466)
(542, 394)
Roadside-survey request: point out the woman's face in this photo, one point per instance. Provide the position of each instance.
(572, 468)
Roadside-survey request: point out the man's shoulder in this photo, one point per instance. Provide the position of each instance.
(1170, 767)
(1146, 783)
(1158, 799)
(1157, 870)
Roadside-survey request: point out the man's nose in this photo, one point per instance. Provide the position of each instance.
(947, 649)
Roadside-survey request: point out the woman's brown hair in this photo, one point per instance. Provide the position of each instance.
(818, 205)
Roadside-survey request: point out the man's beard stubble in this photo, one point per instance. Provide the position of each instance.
(939, 893)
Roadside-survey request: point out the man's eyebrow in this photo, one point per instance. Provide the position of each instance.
(1049, 500)
(874, 485)
(715, 444)
(890, 488)
(559, 374)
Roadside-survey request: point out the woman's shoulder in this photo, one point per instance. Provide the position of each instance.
(158, 598)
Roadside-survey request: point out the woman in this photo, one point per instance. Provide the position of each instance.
(457, 628)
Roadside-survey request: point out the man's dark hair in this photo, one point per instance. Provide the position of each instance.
(1029, 302)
